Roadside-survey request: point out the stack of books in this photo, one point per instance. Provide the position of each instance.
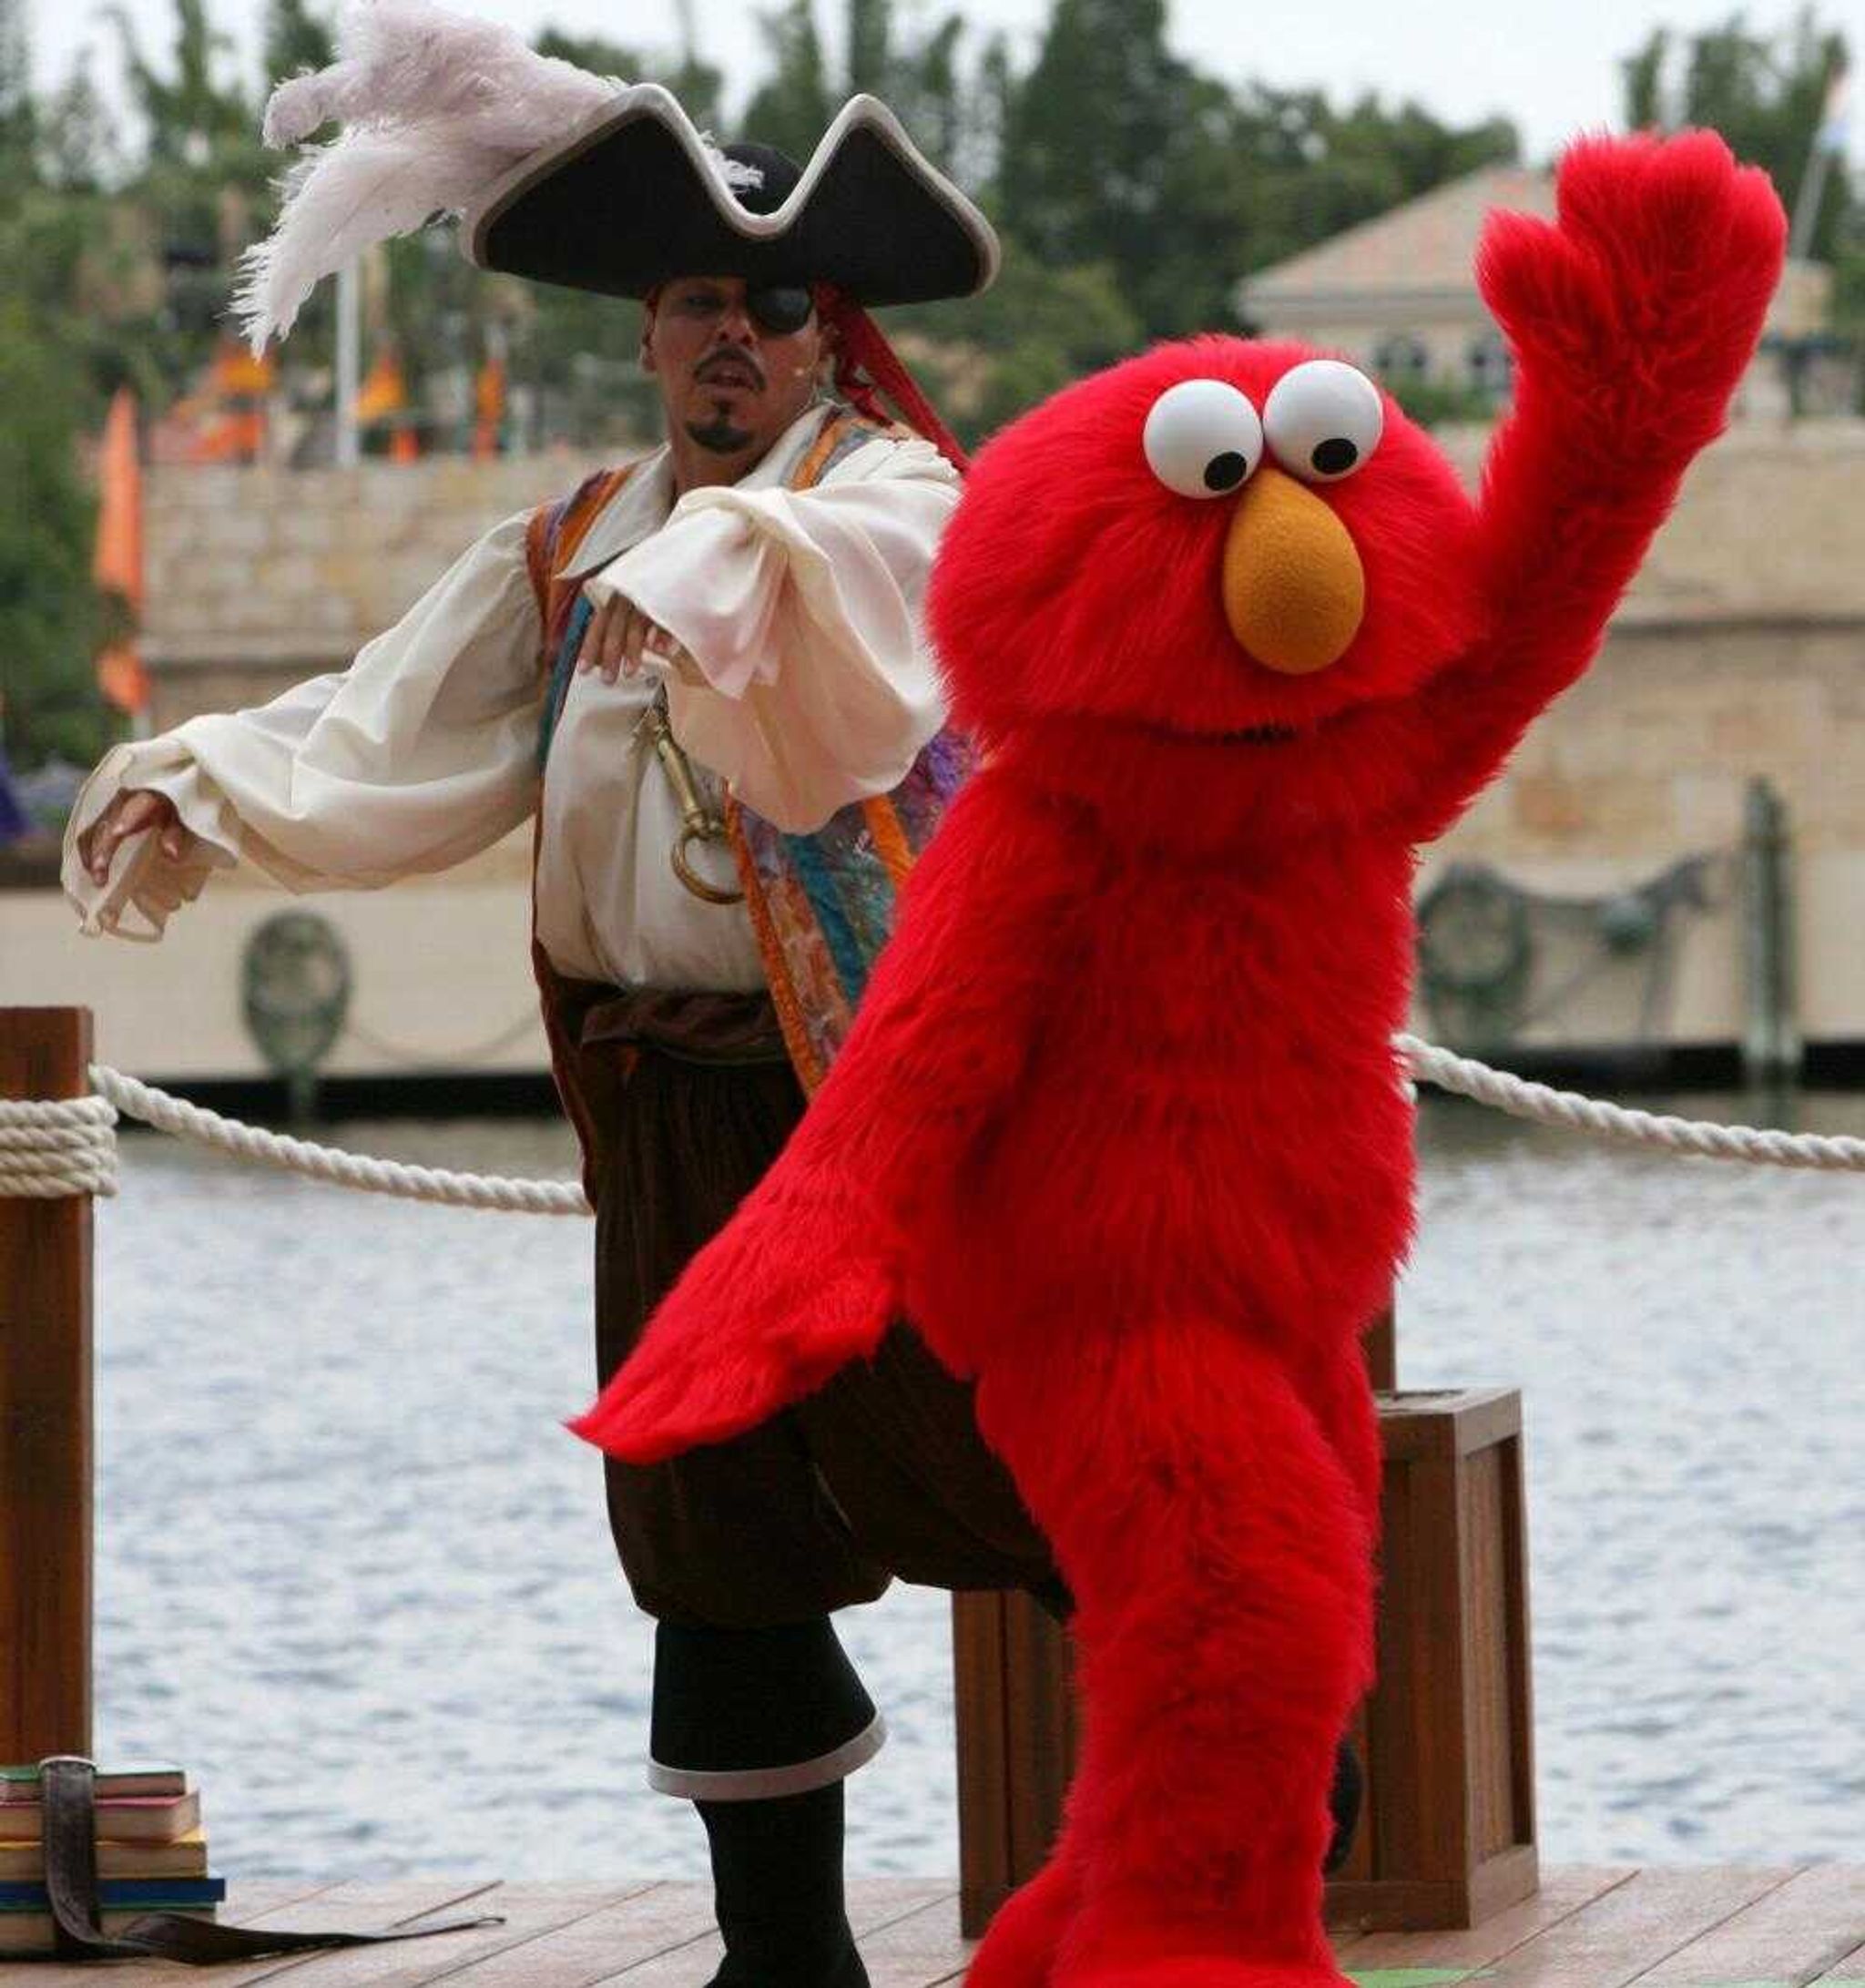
(152, 1852)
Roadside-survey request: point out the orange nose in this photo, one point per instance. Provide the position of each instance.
(1294, 588)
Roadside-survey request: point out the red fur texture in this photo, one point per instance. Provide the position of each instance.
(1120, 1125)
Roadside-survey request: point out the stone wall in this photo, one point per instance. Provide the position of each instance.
(257, 577)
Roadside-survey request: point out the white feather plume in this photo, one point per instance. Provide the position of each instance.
(436, 107)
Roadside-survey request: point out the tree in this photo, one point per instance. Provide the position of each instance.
(19, 122)
(1766, 96)
(76, 151)
(296, 40)
(48, 606)
(870, 44)
(921, 79)
(189, 114)
(1091, 135)
(1115, 151)
(988, 358)
(792, 108)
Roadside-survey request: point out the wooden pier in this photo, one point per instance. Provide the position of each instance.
(1587, 1928)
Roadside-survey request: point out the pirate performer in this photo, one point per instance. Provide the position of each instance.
(702, 676)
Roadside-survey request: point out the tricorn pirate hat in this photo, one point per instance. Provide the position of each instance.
(586, 180)
(639, 196)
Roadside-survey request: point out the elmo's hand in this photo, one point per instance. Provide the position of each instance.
(1632, 319)
(1634, 316)
(764, 1315)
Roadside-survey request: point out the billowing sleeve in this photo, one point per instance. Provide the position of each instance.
(812, 683)
(419, 755)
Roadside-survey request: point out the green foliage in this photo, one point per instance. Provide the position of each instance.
(871, 43)
(189, 113)
(1034, 331)
(595, 52)
(76, 140)
(1765, 96)
(1432, 403)
(49, 610)
(1115, 150)
(296, 40)
(792, 110)
(1094, 133)
(18, 113)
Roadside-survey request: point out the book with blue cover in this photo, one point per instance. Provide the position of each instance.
(148, 1894)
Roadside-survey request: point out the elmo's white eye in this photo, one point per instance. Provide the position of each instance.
(1202, 438)
(1323, 419)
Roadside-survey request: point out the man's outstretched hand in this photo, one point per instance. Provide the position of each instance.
(130, 814)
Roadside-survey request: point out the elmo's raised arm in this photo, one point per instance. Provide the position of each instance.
(808, 1274)
(1631, 320)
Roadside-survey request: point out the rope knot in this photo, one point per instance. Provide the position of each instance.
(50, 1148)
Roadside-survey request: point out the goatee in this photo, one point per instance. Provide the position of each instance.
(720, 435)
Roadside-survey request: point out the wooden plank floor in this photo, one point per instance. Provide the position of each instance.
(1591, 1928)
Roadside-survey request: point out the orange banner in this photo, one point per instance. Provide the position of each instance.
(384, 392)
(117, 562)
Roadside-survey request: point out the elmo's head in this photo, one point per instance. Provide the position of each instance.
(1217, 537)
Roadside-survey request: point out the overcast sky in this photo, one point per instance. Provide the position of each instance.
(1551, 65)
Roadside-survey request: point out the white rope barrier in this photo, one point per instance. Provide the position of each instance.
(328, 1163)
(1694, 1137)
(70, 1148)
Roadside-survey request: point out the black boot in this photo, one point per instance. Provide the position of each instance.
(776, 1880)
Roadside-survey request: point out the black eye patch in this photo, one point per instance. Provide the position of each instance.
(780, 308)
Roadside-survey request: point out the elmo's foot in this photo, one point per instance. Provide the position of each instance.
(1205, 1970)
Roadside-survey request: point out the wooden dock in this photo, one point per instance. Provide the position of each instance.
(1589, 1928)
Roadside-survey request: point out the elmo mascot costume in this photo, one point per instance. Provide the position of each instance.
(1120, 1125)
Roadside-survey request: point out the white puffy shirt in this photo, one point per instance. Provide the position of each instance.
(814, 687)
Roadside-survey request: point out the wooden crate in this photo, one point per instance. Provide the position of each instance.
(1447, 1839)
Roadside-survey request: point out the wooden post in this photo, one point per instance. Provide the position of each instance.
(1381, 1346)
(1015, 1709)
(45, 1519)
(1771, 1049)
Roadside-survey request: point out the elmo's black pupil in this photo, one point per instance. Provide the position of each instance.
(1226, 471)
(1333, 456)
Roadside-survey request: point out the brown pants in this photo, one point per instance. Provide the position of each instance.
(689, 1098)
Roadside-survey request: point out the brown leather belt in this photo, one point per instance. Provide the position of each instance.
(68, 1792)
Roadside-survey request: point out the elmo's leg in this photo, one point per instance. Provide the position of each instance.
(1019, 1945)
(1220, 1557)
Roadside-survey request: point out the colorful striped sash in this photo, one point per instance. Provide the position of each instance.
(822, 904)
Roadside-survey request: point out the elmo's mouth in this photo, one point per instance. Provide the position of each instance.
(1249, 735)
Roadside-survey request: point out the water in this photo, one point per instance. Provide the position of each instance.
(354, 1575)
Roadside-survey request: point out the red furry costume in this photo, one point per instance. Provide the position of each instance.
(1120, 1125)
